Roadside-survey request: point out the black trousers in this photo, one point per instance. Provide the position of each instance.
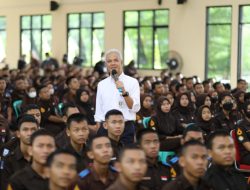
(128, 136)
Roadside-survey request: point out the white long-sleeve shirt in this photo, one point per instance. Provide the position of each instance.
(108, 97)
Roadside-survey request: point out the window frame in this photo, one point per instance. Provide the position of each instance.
(4, 30)
(79, 29)
(207, 34)
(31, 29)
(138, 27)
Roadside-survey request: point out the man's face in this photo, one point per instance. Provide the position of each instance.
(194, 161)
(36, 113)
(74, 84)
(20, 84)
(44, 93)
(220, 88)
(2, 85)
(115, 125)
(41, 148)
(78, 132)
(25, 132)
(102, 150)
(193, 135)
(133, 165)
(113, 62)
(189, 84)
(159, 89)
(199, 89)
(223, 151)
(150, 144)
(62, 171)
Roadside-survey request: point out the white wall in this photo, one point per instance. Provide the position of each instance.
(187, 26)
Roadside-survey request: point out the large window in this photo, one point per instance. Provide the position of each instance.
(86, 37)
(2, 38)
(35, 36)
(244, 43)
(218, 42)
(146, 38)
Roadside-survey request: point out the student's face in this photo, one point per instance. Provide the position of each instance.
(170, 98)
(165, 106)
(150, 144)
(114, 62)
(115, 125)
(189, 84)
(220, 88)
(102, 150)
(20, 84)
(25, 132)
(159, 89)
(84, 97)
(206, 114)
(184, 101)
(41, 148)
(199, 89)
(133, 165)
(36, 113)
(78, 132)
(44, 93)
(2, 84)
(208, 101)
(223, 151)
(193, 135)
(74, 84)
(62, 171)
(147, 102)
(194, 161)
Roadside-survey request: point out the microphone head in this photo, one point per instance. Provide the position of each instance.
(113, 72)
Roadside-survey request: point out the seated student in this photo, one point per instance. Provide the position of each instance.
(193, 161)
(33, 109)
(243, 135)
(114, 124)
(222, 174)
(20, 157)
(132, 167)
(158, 173)
(167, 127)
(100, 176)
(78, 133)
(42, 143)
(61, 169)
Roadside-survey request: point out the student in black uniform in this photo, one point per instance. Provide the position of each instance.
(221, 174)
(114, 124)
(61, 169)
(166, 125)
(193, 161)
(20, 157)
(100, 175)
(243, 135)
(158, 172)
(132, 167)
(78, 132)
(42, 143)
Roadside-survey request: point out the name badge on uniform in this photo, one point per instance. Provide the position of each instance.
(164, 178)
(120, 103)
(146, 178)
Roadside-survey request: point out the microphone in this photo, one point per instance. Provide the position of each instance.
(115, 77)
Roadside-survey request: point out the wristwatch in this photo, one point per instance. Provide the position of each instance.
(125, 94)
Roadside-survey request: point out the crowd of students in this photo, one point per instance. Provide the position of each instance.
(49, 134)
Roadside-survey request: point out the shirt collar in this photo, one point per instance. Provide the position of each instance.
(120, 76)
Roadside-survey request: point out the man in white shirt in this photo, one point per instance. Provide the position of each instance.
(118, 91)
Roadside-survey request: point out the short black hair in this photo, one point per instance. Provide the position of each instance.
(143, 132)
(216, 84)
(26, 118)
(191, 127)
(241, 80)
(156, 83)
(76, 117)
(213, 135)
(112, 112)
(178, 86)
(40, 88)
(198, 83)
(190, 143)
(128, 147)
(51, 157)
(223, 95)
(30, 107)
(66, 106)
(90, 143)
(40, 132)
(68, 80)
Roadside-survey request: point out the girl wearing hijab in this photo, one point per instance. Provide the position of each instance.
(145, 111)
(184, 111)
(166, 125)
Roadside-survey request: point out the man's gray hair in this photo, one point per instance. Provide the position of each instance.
(115, 51)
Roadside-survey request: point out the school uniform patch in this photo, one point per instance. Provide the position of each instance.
(239, 131)
(164, 178)
(241, 138)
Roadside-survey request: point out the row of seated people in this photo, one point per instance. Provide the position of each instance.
(103, 162)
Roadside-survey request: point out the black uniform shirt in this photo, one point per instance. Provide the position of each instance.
(28, 179)
(117, 185)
